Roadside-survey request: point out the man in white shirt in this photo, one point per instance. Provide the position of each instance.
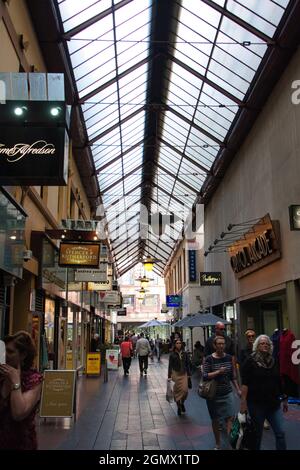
(143, 349)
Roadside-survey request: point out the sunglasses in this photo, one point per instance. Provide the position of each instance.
(250, 336)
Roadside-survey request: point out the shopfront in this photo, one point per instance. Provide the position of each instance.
(12, 247)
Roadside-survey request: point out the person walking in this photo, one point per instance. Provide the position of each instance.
(261, 391)
(143, 350)
(158, 347)
(126, 353)
(247, 351)
(220, 367)
(220, 330)
(20, 391)
(180, 372)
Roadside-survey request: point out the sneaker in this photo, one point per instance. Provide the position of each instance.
(145, 372)
(266, 425)
(217, 448)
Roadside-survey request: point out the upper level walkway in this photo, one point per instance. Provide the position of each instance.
(131, 413)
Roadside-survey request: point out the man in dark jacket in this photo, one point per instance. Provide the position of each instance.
(247, 351)
(219, 331)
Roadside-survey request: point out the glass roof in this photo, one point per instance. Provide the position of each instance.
(211, 56)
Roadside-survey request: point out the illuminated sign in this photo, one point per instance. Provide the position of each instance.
(79, 254)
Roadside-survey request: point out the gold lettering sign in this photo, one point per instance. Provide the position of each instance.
(79, 254)
(58, 393)
(258, 247)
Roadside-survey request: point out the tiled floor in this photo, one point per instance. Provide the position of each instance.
(132, 413)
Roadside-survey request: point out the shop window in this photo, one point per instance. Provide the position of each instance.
(49, 329)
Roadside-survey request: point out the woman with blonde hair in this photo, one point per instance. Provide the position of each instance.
(262, 391)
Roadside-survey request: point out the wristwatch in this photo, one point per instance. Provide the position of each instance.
(16, 386)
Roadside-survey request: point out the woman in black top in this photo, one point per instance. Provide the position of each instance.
(261, 391)
(179, 372)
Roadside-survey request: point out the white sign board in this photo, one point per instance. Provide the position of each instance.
(102, 285)
(92, 275)
(2, 352)
(110, 297)
(112, 358)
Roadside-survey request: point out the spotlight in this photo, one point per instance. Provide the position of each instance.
(222, 234)
(230, 227)
(216, 241)
(20, 110)
(55, 111)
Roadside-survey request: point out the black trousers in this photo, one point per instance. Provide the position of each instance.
(143, 363)
(126, 363)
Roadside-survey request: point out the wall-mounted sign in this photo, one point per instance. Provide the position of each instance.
(294, 212)
(174, 300)
(35, 153)
(192, 265)
(110, 297)
(257, 248)
(79, 254)
(210, 279)
(58, 393)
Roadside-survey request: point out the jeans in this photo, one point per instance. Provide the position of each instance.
(258, 414)
(143, 363)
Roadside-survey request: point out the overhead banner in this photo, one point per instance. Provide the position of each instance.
(79, 254)
(33, 154)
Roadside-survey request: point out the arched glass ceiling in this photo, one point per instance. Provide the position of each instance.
(213, 51)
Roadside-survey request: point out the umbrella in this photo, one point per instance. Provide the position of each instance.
(200, 319)
(153, 323)
(203, 319)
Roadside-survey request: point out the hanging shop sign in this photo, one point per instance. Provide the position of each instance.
(79, 254)
(34, 149)
(92, 275)
(101, 285)
(174, 300)
(210, 279)
(257, 248)
(192, 266)
(122, 312)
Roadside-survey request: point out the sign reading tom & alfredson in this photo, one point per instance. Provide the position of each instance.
(58, 393)
(33, 149)
(258, 247)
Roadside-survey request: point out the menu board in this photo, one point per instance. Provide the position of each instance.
(58, 393)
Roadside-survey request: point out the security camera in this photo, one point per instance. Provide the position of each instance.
(27, 255)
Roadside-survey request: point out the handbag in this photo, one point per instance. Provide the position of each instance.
(207, 389)
(170, 392)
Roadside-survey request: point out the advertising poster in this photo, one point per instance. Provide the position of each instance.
(93, 364)
(112, 358)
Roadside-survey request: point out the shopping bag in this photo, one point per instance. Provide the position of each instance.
(236, 433)
(248, 441)
(170, 392)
